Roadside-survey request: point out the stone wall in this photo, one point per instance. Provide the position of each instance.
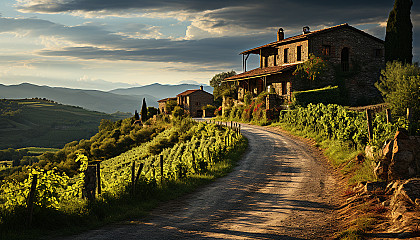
(400, 158)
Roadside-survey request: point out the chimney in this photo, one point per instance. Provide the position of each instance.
(306, 30)
(201, 88)
(280, 34)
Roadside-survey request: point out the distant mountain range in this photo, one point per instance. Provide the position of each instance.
(159, 91)
(123, 100)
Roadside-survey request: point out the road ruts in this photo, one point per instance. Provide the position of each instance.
(279, 190)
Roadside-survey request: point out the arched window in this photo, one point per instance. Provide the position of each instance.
(345, 59)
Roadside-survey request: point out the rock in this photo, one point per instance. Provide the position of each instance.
(375, 186)
(369, 152)
(387, 151)
(381, 170)
(405, 161)
(360, 158)
(411, 190)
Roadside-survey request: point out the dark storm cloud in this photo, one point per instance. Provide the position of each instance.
(98, 43)
(212, 51)
(246, 13)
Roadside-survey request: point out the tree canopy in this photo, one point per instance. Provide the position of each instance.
(399, 33)
(400, 87)
(221, 88)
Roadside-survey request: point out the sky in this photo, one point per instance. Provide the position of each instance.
(108, 44)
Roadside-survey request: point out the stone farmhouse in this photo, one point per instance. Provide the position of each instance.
(192, 101)
(354, 57)
(162, 104)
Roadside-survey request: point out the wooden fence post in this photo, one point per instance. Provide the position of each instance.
(369, 123)
(90, 182)
(98, 176)
(139, 172)
(133, 184)
(409, 118)
(208, 153)
(388, 115)
(30, 202)
(161, 169)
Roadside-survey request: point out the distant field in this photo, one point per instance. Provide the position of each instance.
(40, 123)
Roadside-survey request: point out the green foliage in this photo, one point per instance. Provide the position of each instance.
(327, 95)
(400, 87)
(221, 88)
(178, 112)
(335, 122)
(144, 111)
(170, 105)
(399, 33)
(194, 153)
(136, 115)
(311, 69)
(151, 111)
(247, 98)
(209, 108)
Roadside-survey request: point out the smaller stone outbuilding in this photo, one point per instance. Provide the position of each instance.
(194, 100)
(162, 104)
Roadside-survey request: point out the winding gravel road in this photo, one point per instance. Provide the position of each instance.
(281, 189)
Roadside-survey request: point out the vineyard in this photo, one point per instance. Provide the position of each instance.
(190, 150)
(336, 122)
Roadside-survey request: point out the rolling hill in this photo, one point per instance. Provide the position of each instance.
(159, 91)
(90, 99)
(40, 123)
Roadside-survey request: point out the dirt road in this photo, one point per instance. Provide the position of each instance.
(279, 190)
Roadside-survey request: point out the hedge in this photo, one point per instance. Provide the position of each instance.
(327, 95)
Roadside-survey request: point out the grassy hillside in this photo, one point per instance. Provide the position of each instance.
(42, 123)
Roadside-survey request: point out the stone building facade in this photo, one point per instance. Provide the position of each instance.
(162, 104)
(194, 100)
(354, 57)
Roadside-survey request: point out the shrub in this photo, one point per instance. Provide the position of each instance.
(327, 95)
(399, 85)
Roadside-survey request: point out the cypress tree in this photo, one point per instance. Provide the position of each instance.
(399, 33)
(136, 115)
(144, 111)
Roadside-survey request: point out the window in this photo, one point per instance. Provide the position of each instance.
(286, 53)
(345, 59)
(299, 53)
(378, 53)
(283, 88)
(326, 50)
(266, 61)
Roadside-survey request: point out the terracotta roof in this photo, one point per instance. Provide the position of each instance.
(261, 72)
(188, 92)
(307, 35)
(166, 99)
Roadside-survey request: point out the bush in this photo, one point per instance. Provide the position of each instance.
(327, 95)
(399, 85)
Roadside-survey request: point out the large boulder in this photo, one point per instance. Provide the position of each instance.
(400, 158)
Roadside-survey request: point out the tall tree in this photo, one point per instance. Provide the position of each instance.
(220, 87)
(399, 33)
(136, 115)
(144, 111)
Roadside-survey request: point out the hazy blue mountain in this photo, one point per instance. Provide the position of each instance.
(88, 99)
(160, 91)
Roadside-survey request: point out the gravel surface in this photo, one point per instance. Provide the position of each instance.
(281, 189)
